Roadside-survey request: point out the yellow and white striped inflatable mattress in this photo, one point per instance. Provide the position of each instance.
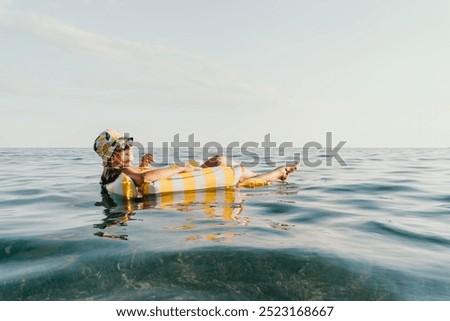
(206, 178)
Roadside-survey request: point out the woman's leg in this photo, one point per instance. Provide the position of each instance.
(279, 174)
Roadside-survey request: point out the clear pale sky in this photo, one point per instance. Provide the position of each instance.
(375, 73)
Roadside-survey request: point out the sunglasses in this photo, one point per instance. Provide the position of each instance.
(123, 144)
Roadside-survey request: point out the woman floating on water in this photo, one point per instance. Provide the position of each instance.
(117, 154)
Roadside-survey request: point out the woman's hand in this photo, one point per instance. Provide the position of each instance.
(187, 168)
(146, 160)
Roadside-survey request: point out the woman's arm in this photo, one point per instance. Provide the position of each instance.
(159, 173)
(153, 175)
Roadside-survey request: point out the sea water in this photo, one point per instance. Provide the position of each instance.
(376, 229)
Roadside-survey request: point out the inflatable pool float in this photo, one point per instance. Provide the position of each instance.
(204, 179)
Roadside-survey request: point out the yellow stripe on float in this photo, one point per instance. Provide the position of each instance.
(210, 192)
(229, 176)
(189, 197)
(166, 186)
(127, 187)
(210, 178)
(146, 188)
(188, 181)
(211, 189)
(189, 187)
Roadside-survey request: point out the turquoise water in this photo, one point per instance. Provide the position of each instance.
(378, 229)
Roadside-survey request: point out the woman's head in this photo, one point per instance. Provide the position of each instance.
(122, 156)
(114, 148)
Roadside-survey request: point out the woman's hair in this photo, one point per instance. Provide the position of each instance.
(110, 173)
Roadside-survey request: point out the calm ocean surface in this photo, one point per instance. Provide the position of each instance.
(377, 229)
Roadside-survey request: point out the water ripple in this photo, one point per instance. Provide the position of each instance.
(408, 235)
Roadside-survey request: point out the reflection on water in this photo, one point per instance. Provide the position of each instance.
(226, 204)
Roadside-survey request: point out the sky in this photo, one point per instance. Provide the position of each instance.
(374, 73)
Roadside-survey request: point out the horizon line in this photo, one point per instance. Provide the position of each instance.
(159, 147)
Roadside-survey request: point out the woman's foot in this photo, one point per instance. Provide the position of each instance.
(279, 174)
(286, 170)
